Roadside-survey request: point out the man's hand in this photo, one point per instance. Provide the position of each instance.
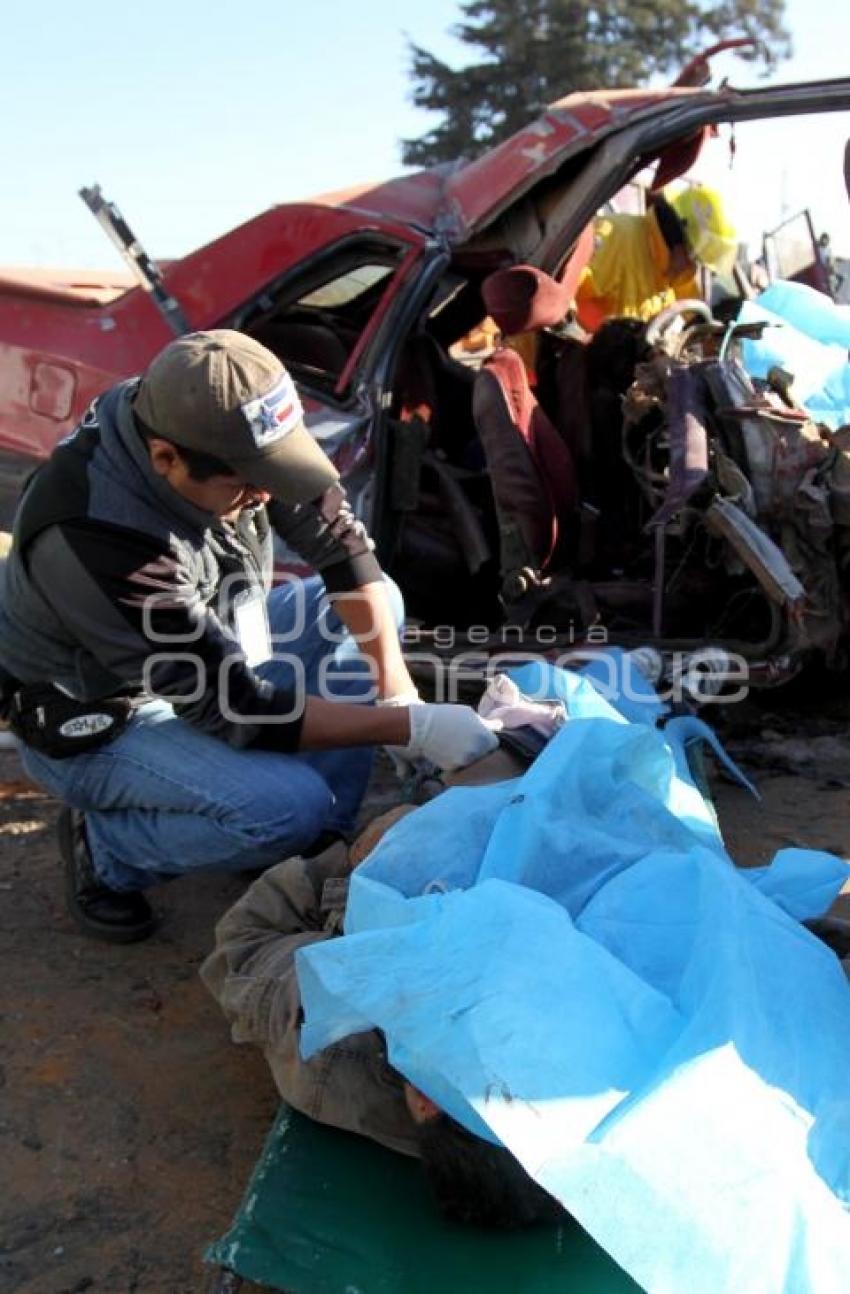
(450, 736)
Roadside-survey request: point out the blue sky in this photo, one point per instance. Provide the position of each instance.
(199, 114)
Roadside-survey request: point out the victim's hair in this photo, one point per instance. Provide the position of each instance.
(477, 1182)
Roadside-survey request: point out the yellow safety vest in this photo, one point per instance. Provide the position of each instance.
(629, 273)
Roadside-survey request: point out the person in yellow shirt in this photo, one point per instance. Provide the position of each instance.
(644, 263)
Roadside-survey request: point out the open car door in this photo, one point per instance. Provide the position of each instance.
(791, 251)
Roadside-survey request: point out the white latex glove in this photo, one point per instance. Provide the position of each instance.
(503, 700)
(403, 767)
(450, 736)
(401, 698)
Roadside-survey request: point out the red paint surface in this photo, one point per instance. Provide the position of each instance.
(48, 331)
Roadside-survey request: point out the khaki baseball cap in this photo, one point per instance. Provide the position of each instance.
(222, 393)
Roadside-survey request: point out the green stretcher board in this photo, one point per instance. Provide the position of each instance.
(327, 1212)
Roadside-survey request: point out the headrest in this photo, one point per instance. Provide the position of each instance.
(522, 299)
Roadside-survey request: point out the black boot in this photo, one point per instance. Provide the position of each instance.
(121, 918)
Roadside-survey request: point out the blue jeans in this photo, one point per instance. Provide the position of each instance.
(164, 798)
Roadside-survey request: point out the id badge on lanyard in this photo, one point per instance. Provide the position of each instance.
(251, 622)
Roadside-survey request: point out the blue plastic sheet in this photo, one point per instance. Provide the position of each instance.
(570, 964)
(809, 336)
(813, 312)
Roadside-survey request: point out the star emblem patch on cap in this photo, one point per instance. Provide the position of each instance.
(274, 415)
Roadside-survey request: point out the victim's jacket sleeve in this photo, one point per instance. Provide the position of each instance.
(251, 972)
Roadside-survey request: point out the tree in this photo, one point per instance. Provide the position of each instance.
(536, 51)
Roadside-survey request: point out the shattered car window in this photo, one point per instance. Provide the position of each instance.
(342, 291)
(317, 330)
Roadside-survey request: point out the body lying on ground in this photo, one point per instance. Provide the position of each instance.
(351, 1086)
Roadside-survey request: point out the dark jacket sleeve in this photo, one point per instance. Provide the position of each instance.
(252, 969)
(330, 538)
(137, 611)
(252, 974)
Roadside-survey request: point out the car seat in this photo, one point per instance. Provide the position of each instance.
(438, 488)
(313, 345)
(531, 469)
(441, 387)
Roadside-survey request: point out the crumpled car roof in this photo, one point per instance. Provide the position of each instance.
(455, 199)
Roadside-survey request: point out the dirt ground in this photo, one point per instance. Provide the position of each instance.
(128, 1121)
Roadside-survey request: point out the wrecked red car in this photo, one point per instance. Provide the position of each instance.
(645, 490)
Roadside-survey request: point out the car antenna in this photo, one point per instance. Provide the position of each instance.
(144, 267)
